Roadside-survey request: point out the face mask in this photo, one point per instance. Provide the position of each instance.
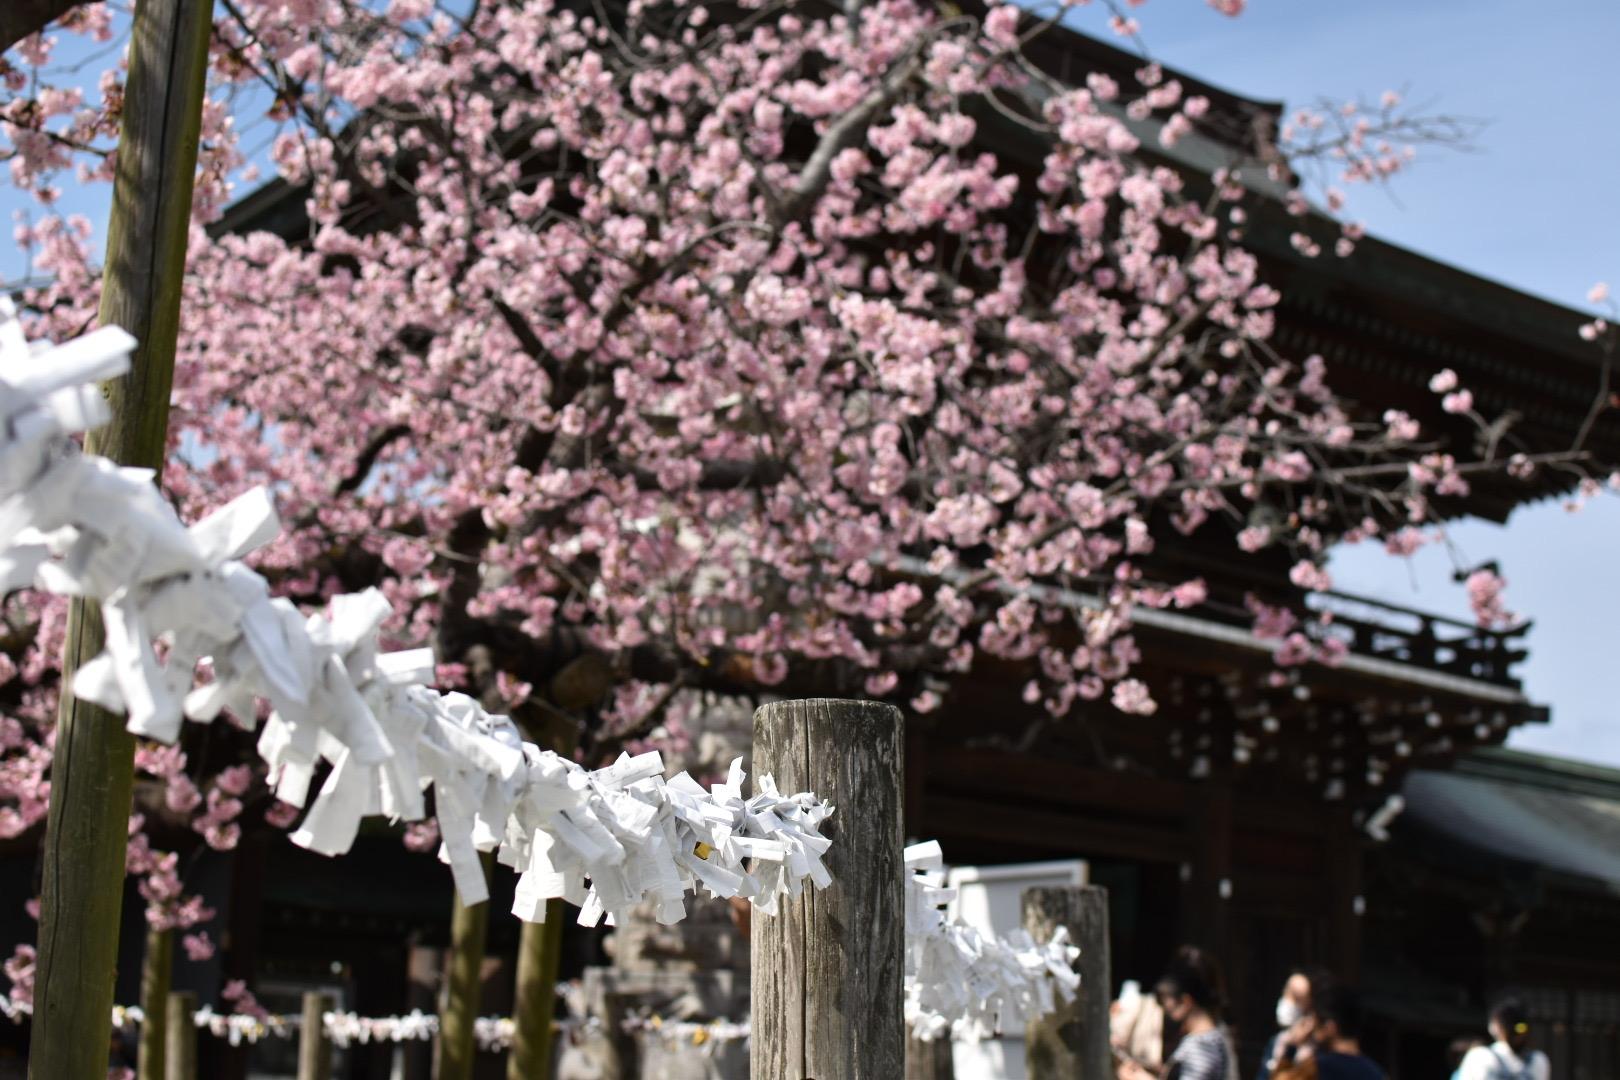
(1288, 1013)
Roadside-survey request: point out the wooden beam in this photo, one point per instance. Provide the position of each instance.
(1079, 834)
(962, 769)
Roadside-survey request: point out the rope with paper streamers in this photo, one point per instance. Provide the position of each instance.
(604, 840)
(960, 982)
(491, 1033)
(77, 525)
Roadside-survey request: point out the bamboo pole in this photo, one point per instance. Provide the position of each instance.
(92, 773)
(156, 971)
(180, 1058)
(469, 929)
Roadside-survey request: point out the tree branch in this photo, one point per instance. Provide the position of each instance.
(845, 133)
(19, 18)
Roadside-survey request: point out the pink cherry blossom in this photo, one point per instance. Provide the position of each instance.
(710, 359)
(1444, 382)
(198, 947)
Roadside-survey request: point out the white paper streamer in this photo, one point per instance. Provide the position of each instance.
(605, 840)
(491, 1033)
(961, 983)
(1381, 819)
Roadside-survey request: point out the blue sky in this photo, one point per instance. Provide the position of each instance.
(1536, 205)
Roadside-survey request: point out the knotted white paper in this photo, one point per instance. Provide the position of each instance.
(960, 982)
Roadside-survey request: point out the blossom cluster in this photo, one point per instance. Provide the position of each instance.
(76, 525)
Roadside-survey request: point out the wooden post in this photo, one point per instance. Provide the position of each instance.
(92, 772)
(535, 1000)
(1073, 1042)
(929, 1059)
(464, 973)
(180, 1061)
(156, 970)
(827, 970)
(616, 1054)
(314, 1048)
(534, 997)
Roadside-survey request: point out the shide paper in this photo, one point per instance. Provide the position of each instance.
(605, 840)
(960, 981)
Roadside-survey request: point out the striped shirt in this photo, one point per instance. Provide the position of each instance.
(1204, 1056)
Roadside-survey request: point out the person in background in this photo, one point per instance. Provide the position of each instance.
(1293, 1005)
(1458, 1050)
(1192, 995)
(1325, 1044)
(1510, 1056)
(1136, 1027)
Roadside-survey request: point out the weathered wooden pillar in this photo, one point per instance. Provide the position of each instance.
(314, 1047)
(180, 1034)
(827, 970)
(463, 979)
(156, 971)
(1073, 1041)
(929, 1059)
(92, 772)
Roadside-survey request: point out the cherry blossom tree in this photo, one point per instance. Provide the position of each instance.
(648, 350)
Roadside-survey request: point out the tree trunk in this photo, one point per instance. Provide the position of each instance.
(1073, 1041)
(156, 970)
(19, 18)
(180, 1057)
(827, 970)
(469, 928)
(92, 773)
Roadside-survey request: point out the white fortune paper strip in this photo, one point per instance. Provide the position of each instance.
(957, 979)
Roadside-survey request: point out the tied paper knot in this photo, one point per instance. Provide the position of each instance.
(605, 840)
(637, 837)
(961, 982)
